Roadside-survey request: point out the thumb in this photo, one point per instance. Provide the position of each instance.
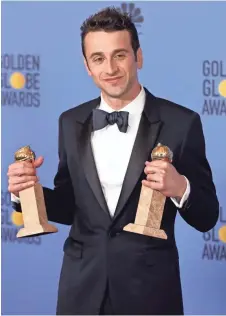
(38, 162)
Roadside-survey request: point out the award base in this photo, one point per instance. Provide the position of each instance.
(145, 230)
(34, 213)
(38, 230)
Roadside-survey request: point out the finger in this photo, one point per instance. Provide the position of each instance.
(38, 162)
(152, 185)
(160, 164)
(22, 179)
(19, 164)
(151, 169)
(20, 187)
(155, 178)
(28, 170)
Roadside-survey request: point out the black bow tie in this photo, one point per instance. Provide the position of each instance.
(102, 119)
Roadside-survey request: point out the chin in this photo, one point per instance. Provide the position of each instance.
(117, 93)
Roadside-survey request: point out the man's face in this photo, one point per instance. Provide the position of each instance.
(111, 62)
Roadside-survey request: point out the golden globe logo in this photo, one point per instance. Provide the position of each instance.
(17, 80)
(20, 80)
(17, 218)
(215, 240)
(222, 234)
(214, 87)
(222, 88)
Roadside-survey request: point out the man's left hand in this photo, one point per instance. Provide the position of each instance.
(162, 176)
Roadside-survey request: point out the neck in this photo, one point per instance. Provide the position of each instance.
(119, 103)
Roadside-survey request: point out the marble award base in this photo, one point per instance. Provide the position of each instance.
(149, 214)
(34, 213)
(145, 230)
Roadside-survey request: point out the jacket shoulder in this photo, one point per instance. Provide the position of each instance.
(178, 117)
(172, 109)
(81, 111)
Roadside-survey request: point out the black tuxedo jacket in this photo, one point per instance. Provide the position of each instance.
(142, 273)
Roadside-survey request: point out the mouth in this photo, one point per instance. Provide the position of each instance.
(113, 80)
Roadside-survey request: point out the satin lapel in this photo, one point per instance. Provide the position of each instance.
(87, 159)
(145, 141)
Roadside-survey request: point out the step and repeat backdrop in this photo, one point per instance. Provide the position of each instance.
(43, 75)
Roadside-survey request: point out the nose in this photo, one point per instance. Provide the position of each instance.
(111, 67)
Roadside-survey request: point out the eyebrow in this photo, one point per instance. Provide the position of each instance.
(114, 52)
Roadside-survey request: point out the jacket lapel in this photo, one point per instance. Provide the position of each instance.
(145, 141)
(87, 158)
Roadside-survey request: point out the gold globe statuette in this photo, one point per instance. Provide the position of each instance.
(161, 152)
(32, 203)
(151, 203)
(24, 153)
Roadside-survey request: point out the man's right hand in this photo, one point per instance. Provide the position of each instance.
(22, 175)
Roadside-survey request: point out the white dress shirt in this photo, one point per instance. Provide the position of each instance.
(112, 150)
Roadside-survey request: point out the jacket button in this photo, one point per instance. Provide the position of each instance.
(113, 233)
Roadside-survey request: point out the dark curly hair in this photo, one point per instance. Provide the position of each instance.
(110, 19)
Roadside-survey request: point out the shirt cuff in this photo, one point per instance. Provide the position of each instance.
(14, 198)
(184, 198)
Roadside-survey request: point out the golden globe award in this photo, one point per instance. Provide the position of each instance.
(151, 203)
(32, 203)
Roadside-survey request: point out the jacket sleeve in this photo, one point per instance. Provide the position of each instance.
(60, 203)
(201, 210)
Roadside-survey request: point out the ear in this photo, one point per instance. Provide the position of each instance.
(139, 58)
(87, 67)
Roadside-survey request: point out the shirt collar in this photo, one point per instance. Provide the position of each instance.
(135, 107)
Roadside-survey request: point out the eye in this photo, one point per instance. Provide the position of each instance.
(98, 60)
(120, 56)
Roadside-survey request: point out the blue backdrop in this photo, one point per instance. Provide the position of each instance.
(184, 61)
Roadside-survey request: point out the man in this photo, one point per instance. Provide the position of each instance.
(103, 161)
